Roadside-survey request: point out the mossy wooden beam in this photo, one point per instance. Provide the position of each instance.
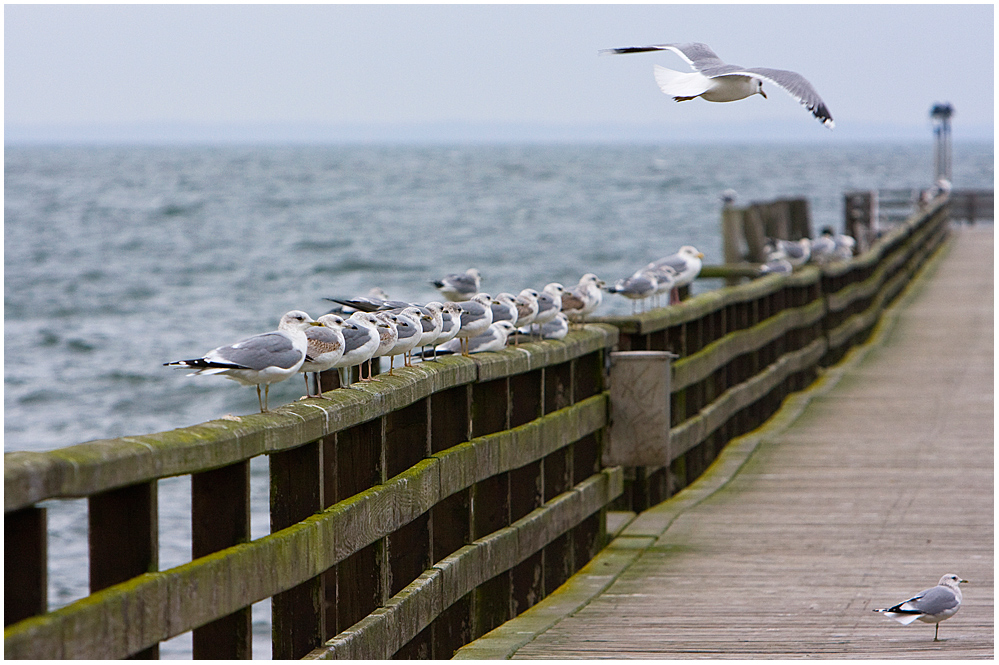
(861, 321)
(697, 367)
(695, 430)
(97, 466)
(216, 585)
(385, 631)
(847, 295)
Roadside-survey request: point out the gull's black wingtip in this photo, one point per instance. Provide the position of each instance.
(628, 49)
(822, 113)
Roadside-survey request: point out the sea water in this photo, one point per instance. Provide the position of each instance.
(119, 259)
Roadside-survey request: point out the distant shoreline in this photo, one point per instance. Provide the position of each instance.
(783, 132)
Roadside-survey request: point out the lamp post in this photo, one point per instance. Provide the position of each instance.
(940, 114)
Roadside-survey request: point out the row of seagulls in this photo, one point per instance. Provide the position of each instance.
(373, 326)
(716, 81)
(783, 256)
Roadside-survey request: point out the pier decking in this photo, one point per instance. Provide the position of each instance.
(861, 491)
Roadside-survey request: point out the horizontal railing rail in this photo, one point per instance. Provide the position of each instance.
(412, 514)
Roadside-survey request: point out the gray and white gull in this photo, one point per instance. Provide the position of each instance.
(716, 81)
(259, 360)
(931, 605)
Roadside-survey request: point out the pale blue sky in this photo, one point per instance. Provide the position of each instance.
(482, 71)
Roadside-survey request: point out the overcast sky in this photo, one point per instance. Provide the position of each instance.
(481, 71)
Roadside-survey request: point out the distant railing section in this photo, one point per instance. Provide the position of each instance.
(413, 514)
(742, 349)
(972, 205)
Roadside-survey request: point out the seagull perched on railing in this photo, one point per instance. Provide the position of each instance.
(638, 287)
(458, 287)
(259, 360)
(930, 605)
(583, 298)
(687, 265)
(493, 338)
(715, 81)
(325, 348)
(796, 252)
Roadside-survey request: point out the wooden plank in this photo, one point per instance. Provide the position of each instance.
(696, 429)
(406, 437)
(450, 422)
(558, 387)
(526, 397)
(490, 407)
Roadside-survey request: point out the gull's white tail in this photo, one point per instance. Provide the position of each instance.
(680, 84)
(904, 618)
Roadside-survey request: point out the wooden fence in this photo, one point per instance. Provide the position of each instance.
(416, 513)
(408, 516)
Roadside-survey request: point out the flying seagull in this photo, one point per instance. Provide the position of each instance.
(716, 81)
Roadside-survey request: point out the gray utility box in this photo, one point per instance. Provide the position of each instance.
(639, 409)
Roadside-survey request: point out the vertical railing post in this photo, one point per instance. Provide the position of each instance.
(297, 493)
(220, 518)
(359, 466)
(25, 564)
(124, 535)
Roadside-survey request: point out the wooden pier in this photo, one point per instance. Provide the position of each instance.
(862, 490)
(416, 513)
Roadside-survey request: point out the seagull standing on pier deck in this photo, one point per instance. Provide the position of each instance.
(715, 81)
(930, 605)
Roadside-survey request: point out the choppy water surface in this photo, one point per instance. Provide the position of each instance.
(119, 259)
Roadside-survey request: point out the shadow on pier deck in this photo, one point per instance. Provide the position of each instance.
(860, 491)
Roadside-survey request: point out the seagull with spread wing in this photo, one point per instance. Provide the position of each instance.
(716, 81)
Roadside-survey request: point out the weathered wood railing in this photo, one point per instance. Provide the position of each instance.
(408, 516)
(742, 349)
(416, 513)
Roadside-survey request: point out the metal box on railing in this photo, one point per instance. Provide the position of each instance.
(639, 403)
